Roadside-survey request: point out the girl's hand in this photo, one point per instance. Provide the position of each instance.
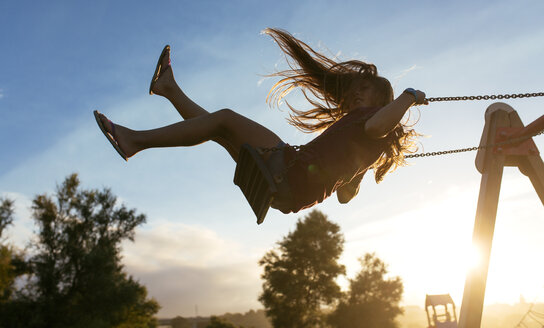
(420, 98)
(418, 95)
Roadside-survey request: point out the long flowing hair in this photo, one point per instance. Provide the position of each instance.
(324, 83)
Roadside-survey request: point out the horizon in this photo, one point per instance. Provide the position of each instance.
(422, 308)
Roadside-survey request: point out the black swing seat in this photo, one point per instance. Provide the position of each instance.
(255, 181)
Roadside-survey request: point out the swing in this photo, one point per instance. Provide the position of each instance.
(255, 181)
(258, 185)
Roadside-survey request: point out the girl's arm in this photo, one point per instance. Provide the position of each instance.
(387, 118)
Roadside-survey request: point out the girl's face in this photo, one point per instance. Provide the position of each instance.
(361, 93)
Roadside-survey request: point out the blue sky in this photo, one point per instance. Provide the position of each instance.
(60, 60)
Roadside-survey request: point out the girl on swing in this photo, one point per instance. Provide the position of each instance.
(355, 109)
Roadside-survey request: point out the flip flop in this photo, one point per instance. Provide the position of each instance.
(109, 136)
(165, 50)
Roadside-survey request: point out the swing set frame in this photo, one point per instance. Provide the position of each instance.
(502, 122)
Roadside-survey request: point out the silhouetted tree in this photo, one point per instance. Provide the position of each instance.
(372, 300)
(299, 276)
(6, 214)
(77, 278)
(251, 319)
(12, 266)
(180, 322)
(8, 270)
(216, 322)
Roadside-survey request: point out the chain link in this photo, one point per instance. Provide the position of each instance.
(487, 97)
(273, 149)
(435, 153)
(462, 150)
(453, 151)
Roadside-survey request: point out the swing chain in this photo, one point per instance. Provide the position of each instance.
(263, 150)
(487, 97)
(462, 150)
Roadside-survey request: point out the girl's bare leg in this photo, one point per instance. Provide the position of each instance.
(226, 124)
(167, 87)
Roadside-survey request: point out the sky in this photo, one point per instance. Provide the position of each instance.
(199, 249)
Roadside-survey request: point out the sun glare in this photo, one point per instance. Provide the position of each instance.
(431, 248)
(474, 256)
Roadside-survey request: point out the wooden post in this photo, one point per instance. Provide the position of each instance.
(490, 162)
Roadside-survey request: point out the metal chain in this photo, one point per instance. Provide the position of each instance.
(273, 149)
(487, 97)
(462, 150)
(434, 99)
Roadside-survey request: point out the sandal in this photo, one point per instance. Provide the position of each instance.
(109, 136)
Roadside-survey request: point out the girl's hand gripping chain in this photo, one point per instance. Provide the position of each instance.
(419, 96)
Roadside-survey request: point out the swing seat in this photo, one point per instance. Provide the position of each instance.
(255, 181)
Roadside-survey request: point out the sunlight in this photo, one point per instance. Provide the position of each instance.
(431, 248)
(474, 256)
(515, 267)
(427, 247)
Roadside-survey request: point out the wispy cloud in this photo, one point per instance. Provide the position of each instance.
(187, 265)
(1, 93)
(403, 73)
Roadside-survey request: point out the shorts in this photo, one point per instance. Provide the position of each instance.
(275, 163)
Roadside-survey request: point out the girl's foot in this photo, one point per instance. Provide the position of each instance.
(163, 78)
(119, 136)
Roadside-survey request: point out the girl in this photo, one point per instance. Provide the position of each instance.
(354, 107)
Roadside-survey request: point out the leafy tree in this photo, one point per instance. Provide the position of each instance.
(12, 263)
(7, 275)
(77, 278)
(6, 214)
(299, 276)
(216, 322)
(12, 266)
(372, 300)
(252, 318)
(180, 322)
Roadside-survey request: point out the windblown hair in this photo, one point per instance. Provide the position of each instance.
(324, 83)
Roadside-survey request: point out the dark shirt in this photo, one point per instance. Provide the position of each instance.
(340, 155)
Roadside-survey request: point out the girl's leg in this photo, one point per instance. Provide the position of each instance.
(226, 124)
(167, 87)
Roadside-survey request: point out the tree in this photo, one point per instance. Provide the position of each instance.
(7, 268)
(372, 300)
(180, 322)
(12, 266)
(250, 319)
(299, 276)
(77, 278)
(216, 322)
(6, 214)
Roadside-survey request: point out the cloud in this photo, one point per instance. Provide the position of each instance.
(403, 73)
(1, 93)
(184, 266)
(20, 232)
(181, 265)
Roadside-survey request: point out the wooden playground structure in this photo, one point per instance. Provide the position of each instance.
(440, 311)
(505, 142)
(503, 127)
